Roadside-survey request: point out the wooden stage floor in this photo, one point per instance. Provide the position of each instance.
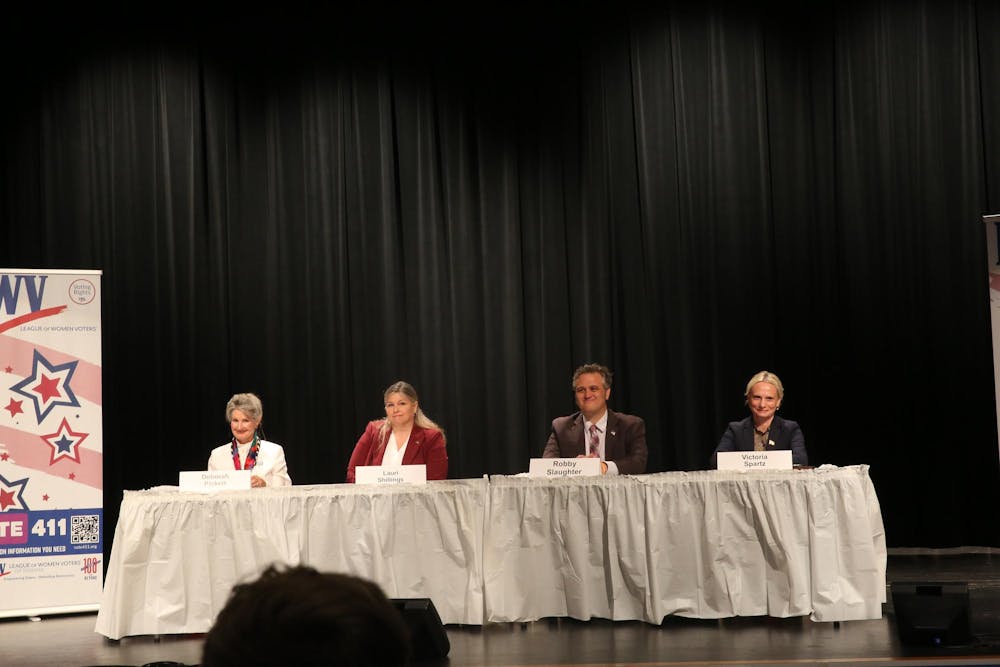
(70, 641)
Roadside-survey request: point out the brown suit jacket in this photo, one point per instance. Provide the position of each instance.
(624, 443)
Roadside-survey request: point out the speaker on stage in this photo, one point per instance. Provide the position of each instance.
(929, 613)
(428, 640)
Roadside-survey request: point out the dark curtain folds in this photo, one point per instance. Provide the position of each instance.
(313, 207)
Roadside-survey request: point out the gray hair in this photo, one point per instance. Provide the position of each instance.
(603, 371)
(770, 378)
(248, 404)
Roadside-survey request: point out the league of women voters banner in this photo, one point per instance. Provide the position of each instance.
(51, 442)
(993, 268)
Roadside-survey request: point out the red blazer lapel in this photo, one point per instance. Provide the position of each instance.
(375, 453)
(415, 447)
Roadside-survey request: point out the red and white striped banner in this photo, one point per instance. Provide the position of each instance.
(51, 442)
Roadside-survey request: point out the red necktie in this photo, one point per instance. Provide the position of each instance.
(595, 441)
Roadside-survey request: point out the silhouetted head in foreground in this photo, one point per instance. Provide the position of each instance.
(299, 616)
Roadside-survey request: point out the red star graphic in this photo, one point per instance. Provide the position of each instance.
(9, 369)
(14, 408)
(4, 456)
(72, 475)
(45, 497)
(47, 388)
(68, 444)
(6, 499)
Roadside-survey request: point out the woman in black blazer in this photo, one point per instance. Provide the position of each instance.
(763, 430)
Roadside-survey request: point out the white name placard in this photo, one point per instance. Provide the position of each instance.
(549, 468)
(391, 474)
(778, 459)
(214, 480)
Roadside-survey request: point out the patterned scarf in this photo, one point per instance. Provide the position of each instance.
(251, 455)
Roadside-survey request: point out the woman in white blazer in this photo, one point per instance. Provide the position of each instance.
(247, 450)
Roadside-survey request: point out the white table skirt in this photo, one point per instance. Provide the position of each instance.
(175, 556)
(777, 543)
(707, 544)
(702, 544)
(566, 547)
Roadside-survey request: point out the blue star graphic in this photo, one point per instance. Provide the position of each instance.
(64, 444)
(68, 444)
(5, 485)
(35, 378)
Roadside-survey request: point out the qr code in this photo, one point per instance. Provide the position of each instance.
(85, 529)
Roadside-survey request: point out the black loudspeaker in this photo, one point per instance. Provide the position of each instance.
(428, 640)
(935, 614)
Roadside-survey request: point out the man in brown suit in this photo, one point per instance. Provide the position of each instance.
(618, 439)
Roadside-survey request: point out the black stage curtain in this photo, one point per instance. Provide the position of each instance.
(314, 206)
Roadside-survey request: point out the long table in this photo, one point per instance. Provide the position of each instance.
(699, 544)
(707, 544)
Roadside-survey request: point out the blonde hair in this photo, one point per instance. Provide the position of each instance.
(770, 378)
(420, 419)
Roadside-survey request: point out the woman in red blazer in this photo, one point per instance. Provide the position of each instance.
(405, 437)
